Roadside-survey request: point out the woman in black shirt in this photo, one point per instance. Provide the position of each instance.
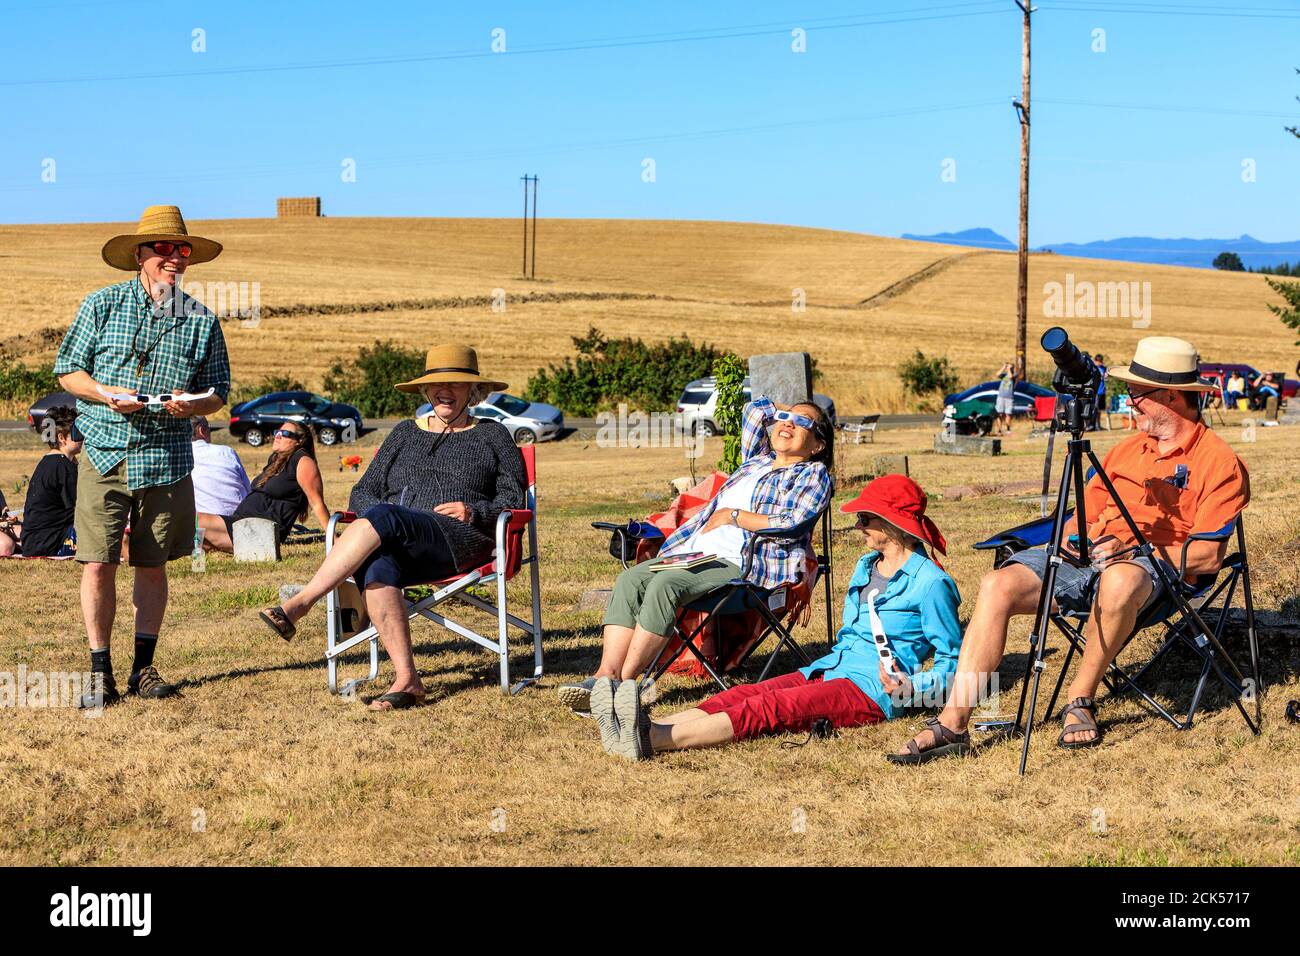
(47, 530)
(288, 487)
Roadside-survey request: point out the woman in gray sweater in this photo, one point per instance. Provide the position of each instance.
(427, 508)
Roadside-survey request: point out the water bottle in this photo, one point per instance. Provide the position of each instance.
(198, 557)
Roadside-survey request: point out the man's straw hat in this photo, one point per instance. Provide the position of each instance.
(450, 363)
(1162, 361)
(157, 224)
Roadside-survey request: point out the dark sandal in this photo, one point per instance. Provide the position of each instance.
(947, 743)
(1084, 711)
(278, 621)
(398, 699)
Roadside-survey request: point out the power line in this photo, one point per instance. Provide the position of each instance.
(607, 43)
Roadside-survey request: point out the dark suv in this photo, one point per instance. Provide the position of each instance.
(255, 420)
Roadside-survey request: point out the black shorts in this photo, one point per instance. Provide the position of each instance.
(412, 548)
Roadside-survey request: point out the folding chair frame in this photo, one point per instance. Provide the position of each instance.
(508, 559)
(754, 598)
(1186, 629)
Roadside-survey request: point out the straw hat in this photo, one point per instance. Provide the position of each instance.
(157, 224)
(1162, 361)
(450, 363)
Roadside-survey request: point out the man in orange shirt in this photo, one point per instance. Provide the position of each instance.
(1177, 478)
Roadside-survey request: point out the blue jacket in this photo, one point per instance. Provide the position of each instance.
(918, 612)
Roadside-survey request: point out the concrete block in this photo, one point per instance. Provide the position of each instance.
(784, 377)
(945, 444)
(255, 539)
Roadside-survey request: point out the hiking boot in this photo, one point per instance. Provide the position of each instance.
(100, 695)
(602, 708)
(147, 683)
(633, 742)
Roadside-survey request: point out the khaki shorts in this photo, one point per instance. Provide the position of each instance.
(161, 518)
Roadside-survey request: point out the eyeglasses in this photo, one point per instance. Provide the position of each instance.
(803, 421)
(281, 433)
(1134, 396)
(167, 248)
(864, 518)
(145, 399)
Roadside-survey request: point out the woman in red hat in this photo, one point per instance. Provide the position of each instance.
(900, 610)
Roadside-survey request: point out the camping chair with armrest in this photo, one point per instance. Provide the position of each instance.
(513, 529)
(740, 605)
(1183, 615)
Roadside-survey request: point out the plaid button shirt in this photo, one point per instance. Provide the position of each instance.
(787, 496)
(114, 327)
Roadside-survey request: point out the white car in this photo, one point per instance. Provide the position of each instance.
(699, 402)
(527, 422)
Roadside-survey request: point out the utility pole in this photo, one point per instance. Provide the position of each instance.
(1022, 111)
(524, 270)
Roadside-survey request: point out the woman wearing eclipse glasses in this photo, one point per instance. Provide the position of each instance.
(784, 479)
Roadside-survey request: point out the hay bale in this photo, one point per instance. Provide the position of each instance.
(296, 206)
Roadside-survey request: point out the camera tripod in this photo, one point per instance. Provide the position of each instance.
(1073, 414)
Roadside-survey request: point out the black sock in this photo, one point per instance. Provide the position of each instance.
(101, 662)
(144, 646)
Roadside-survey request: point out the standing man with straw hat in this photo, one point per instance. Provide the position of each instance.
(141, 358)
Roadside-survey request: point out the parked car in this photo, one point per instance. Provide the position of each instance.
(527, 422)
(36, 414)
(698, 405)
(256, 419)
(1219, 372)
(1026, 392)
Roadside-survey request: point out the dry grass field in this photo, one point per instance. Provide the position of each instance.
(279, 772)
(283, 773)
(731, 284)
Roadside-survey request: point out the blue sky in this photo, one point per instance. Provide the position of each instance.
(851, 134)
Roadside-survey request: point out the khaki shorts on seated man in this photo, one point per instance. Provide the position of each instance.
(1177, 478)
(134, 352)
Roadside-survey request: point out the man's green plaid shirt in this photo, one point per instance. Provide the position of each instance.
(183, 350)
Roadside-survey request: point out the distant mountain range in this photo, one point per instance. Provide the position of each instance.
(1198, 253)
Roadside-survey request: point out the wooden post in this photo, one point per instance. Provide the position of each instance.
(523, 269)
(1022, 287)
(532, 272)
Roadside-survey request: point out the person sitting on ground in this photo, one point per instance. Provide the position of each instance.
(220, 481)
(783, 480)
(1006, 399)
(427, 509)
(897, 596)
(1236, 389)
(289, 486)
(1177, 478)
(47, 526)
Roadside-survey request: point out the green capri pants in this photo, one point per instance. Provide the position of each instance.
(651, 598)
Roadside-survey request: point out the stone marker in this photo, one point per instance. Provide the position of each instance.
(945, 444)
(597, 599)
(784, 377)
(255, 539)
(682, 485)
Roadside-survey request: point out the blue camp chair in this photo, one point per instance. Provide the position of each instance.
(1191, 631)
(738, 596)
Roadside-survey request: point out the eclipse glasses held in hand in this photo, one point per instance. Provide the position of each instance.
(160, 399)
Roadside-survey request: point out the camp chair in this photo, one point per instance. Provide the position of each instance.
(741, 605)
(508, 559)
(1184, 617)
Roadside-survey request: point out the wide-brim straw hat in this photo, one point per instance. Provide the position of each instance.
(1163, 361)
(157, 224)
(451, 363)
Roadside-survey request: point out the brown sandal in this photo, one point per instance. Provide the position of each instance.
(278, 621)
(1084, 712)
(947, 743)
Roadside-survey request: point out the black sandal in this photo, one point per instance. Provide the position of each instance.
(946, 743)
(397, 699)
(1084, 711)
(278, 621)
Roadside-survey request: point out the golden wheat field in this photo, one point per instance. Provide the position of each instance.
(418, 281)
(258, 764)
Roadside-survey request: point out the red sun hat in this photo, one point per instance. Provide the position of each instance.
(900, 501)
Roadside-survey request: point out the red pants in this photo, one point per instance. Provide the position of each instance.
(792, 703)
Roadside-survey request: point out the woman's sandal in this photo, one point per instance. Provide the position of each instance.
(278, 621)
(1084, 712)
(947, 743)
(396, 700)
